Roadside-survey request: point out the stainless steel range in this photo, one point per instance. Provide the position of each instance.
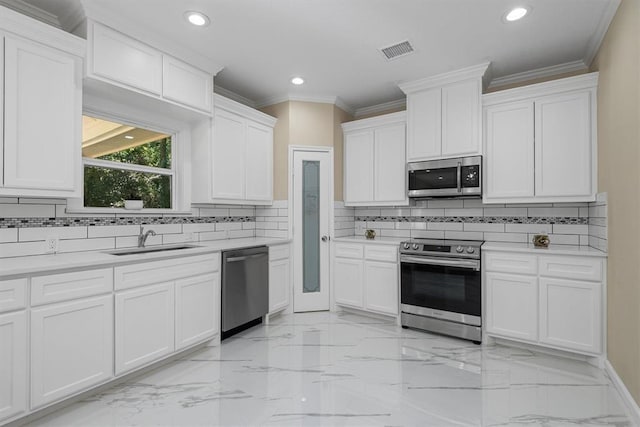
(441, 287)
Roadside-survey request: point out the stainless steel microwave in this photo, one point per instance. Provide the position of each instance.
(459, 177)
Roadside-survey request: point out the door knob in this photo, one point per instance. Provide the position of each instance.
(325, 238)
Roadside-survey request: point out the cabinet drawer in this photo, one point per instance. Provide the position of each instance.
(13, 294)
(510, 263)
(67, 286)
(134, 275)
(278, 252)
(349, 250)
(381, 253)
(575, 268)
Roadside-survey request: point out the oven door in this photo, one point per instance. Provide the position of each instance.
(444, 288)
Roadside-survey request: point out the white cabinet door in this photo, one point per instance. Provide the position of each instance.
(71, 348)
(228, 156)
(511, 304)
(358, 171)
(197, 311)
(563, 154)
(42, 111)
(186, 84)
(279, 284)
(509, 151)
(461, 119)
(348, 281)
(258, 162)
(13, 364)
(381, 287)
(124, 60)
(2, 102)
(570, 314)
(144, 326)
(390, 165)
(424, 125)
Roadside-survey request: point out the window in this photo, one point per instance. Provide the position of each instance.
(124, 162)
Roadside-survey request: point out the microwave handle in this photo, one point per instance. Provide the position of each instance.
(459, 172)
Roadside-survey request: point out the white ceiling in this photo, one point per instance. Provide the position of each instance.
(334, 44)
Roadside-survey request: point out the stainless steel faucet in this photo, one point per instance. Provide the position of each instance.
(142, 237)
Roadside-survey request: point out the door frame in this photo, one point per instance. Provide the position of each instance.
(314, 149)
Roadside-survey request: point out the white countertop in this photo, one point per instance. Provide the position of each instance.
(20, 266)
(378, 240)
(552, 249)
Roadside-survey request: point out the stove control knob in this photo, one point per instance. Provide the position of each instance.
(459, 249)
(406, 246)
(470, 250)
(415, 246)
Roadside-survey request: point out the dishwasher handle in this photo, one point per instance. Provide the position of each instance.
(246, 257)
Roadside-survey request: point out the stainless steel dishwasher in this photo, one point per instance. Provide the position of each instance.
(245, 288)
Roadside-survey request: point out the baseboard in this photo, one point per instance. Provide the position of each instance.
(629, 401)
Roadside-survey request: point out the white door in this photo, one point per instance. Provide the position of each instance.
(144, 326)
(228, 156)
(71, 348)
(312, 209)
(348, 282)
(259, 161)
(424, 125)
(13, 370)
(512, 309)
(461, 119)
(358, 173)
(196, 317)
(390, 164)
(381, 287)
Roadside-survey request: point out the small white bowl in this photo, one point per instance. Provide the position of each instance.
(133, 204)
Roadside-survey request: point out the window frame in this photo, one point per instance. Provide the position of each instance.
(77, 205)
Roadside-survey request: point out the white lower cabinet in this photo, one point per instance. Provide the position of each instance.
(71, 348)
(381, 287)
(279, 277)
(348, 282)
(538, 308)
(570, 314)
(13, 364)
(361, 280)
(197, 311)
(513, 302)
(144, 326)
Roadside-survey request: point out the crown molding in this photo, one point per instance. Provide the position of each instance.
(135, 29)
(582, 82)
(476, 71)
(32, 12)
(399, 117)
(603, 26)
(221, 102)
(73, 18)
(234, 96)
(538, 73)
(272, 100)
(381, 108)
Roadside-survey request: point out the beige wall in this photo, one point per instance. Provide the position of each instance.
(305, 123)
(618, 62)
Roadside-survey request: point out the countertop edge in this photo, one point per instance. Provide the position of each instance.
(552, 250)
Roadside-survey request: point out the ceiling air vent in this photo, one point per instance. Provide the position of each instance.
(397, 50)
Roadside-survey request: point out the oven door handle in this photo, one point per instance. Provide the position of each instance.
(462, 263)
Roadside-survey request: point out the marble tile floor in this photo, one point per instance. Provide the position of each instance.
(339, 369)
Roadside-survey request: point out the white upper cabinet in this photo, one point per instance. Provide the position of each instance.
(40, 108)
(118, 59)
(375, 161)
(540, 142)
(232, 156)
(444, 115)
(122, 59)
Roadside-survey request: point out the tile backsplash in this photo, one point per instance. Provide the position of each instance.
(25, 224)
(565, 223)
(273, 221)
(598, 223)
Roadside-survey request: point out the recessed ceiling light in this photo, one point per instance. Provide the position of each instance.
(516, 13)
(128, 137)
(297, 81)
(197, 18)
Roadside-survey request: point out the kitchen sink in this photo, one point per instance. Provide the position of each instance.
(134, 251)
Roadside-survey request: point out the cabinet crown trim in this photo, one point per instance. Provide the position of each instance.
(223, 103)
(399, 117)
(32, 29)
(476, 71)
(582, 82)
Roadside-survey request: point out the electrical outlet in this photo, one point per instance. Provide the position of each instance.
(51, 244)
